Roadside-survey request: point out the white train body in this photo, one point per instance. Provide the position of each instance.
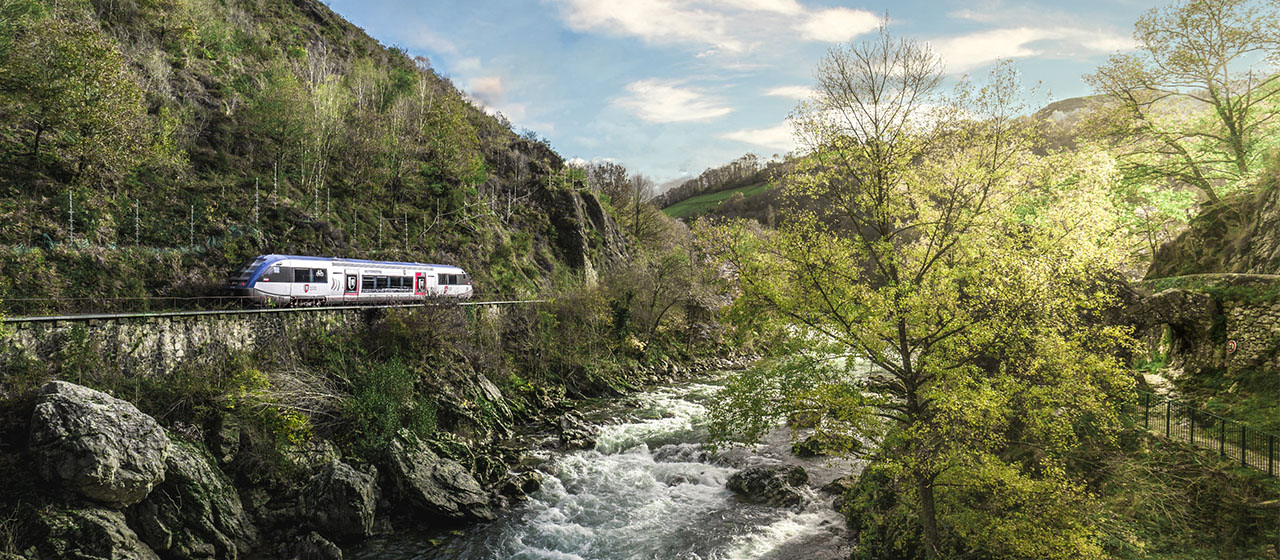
(299, 280)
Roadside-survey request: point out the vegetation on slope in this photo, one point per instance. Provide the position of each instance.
(146, 148)
(705, 203)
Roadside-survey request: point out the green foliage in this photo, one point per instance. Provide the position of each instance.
(1194, 109)
(963, 269)
(71, 104)
(702, 204)
(384, 400)
(1169, 501)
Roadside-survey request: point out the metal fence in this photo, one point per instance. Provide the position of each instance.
(1230, 439)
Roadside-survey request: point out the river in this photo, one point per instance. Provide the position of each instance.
(648, 490)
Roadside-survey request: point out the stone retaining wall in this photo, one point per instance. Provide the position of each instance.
(157, 345)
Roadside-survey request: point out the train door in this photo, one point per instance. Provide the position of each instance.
(351, 285)
(419, 284)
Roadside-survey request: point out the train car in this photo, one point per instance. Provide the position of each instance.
(297, 280)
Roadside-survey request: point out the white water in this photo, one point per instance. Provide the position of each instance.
(647, 491)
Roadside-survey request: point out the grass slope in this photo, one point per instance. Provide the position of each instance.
(702, 204)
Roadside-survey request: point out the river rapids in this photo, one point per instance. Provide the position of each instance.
(648, 490)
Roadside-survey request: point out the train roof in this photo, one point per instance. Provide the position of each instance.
(274, 257)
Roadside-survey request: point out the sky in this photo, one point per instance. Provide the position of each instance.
(669, 88)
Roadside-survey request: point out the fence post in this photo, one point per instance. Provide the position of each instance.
(1271, 455)
(1244, 453)
(1222, 439)
(1168, 418)
(1191, 415)
(1146, 411)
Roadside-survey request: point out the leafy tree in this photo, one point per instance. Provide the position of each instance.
(939, 287)
(73, 101)
(1192, 104)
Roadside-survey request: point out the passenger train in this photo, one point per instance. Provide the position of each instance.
(296, 280)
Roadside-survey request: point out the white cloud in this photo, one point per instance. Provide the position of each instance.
(777, 137)
(487, 89)
(793, 92)
(778, 6)
(657, 21)
(837, 24)
(425, 38)
(715, 26)
(966, 52)
(664, 101)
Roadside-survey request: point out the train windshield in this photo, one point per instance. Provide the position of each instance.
(246, 269)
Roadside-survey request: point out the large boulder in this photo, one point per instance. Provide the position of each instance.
(196, 512)
(432, 484)
(89, 533)
(97, 445)
(341, 501)
(576, 433)
(775, 485)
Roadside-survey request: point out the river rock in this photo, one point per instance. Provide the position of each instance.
(196, 512)
(89, 533)
(340, 502)
(315, 547)
(97, 445)
(519, 486)
(775, 485)
(575, 433)
(435, 485)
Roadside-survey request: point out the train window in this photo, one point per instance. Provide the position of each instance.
(278, 274)
(319, 275)
(382, 283)
(302, 275)
(366, 283)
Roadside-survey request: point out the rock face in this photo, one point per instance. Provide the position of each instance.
(435, 485)
(90, 533)
(97, 445)
(341, 501)
(196, 512)
(1240, 235)
(772, 485)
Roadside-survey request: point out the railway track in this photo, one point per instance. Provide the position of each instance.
(254, 311)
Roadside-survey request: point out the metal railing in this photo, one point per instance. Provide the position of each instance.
(1232, 440)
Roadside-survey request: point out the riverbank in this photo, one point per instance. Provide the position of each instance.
(328, 438)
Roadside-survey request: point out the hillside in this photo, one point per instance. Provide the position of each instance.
(705, 203)
(173, 139)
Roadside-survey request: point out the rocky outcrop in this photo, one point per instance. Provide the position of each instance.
(1241, 234)
(775, 485)
(89, 533)
(519, 486)
(96, 445)
(340, 502)
(575, 433)
(196, 512)
(426, 482)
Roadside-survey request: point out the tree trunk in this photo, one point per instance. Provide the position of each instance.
(35, 146)
(928, 517)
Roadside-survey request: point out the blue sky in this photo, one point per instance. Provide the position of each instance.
(671, 87)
